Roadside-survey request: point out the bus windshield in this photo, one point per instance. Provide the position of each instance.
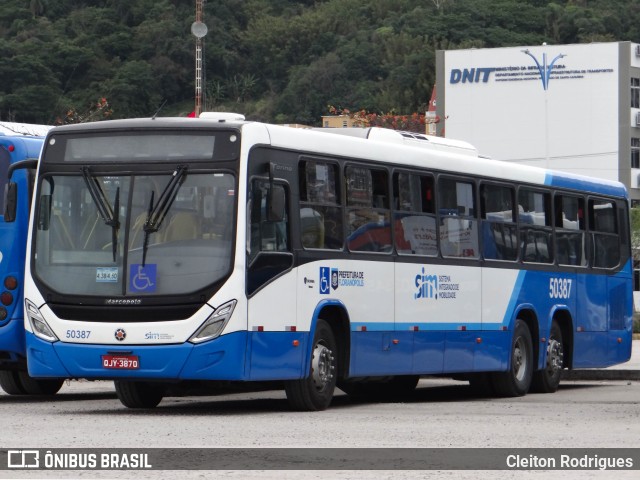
(134, 235)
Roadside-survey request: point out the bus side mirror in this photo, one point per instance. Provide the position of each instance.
(10, 202)
(45, 212)
(276, 204)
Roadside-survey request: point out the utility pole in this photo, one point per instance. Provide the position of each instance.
(199, 30)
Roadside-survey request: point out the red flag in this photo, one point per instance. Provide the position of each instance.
(432, 102)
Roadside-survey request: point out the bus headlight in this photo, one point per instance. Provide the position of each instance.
(213, 326)
(38, 324)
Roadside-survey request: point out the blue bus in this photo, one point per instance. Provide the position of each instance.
(18, 159)
(165, 253)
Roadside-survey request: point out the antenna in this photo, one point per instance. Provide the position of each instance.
(199, 30)
(158, 111)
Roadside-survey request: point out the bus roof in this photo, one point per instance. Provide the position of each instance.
(25, 147)
(374, 144)
(28, 129)
(406, 138)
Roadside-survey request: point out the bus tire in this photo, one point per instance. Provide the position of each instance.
(315, 392)
(39, 386)
(515, 382)
(139, 394)
(481, 384)
(10, 383)
(547, 380)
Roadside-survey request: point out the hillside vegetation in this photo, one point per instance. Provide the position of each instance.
(274, 60)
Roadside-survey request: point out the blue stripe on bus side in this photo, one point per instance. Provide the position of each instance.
(584, 184)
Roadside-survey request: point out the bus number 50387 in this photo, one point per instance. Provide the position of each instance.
(559, 288)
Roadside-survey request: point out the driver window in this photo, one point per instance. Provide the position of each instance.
(266, 235)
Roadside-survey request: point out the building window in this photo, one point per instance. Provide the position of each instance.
(635, 152)
(635, 92)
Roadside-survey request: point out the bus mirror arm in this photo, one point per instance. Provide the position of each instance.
(29, 163)
(276, 204)
(10, 201)
(11, 188)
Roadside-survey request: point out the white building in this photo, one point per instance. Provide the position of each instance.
(574, 108)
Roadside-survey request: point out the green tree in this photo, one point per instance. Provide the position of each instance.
(635, 236)
(297, 55)
(133, 91)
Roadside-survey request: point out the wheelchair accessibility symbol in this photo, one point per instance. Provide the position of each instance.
(142, 278)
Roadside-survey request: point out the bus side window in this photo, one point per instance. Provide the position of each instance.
(534, 220)
(570, 236)
(499, 232)
(414, 216)
(320, 211)
(604, 233)
(458, 224)
(368, 214)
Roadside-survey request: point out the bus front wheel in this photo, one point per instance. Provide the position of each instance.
(139, 394)
(316, 390)
(515, 382)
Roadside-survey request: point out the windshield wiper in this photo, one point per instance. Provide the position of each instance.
(158, 212)
(108, 214)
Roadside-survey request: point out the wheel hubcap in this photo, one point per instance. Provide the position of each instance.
(322, 366)
(555, 356)
(519, 359)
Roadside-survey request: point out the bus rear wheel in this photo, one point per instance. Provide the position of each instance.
(315, 392)
(20, 383)
(547, 380)
(515, 382)
(139, 394)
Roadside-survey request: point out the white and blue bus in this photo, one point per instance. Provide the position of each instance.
(20, 146)
(169, 252)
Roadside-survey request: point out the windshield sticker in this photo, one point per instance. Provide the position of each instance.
(142, 278)
(107, 274)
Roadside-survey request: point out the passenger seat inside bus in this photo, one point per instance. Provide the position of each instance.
(182, 226)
